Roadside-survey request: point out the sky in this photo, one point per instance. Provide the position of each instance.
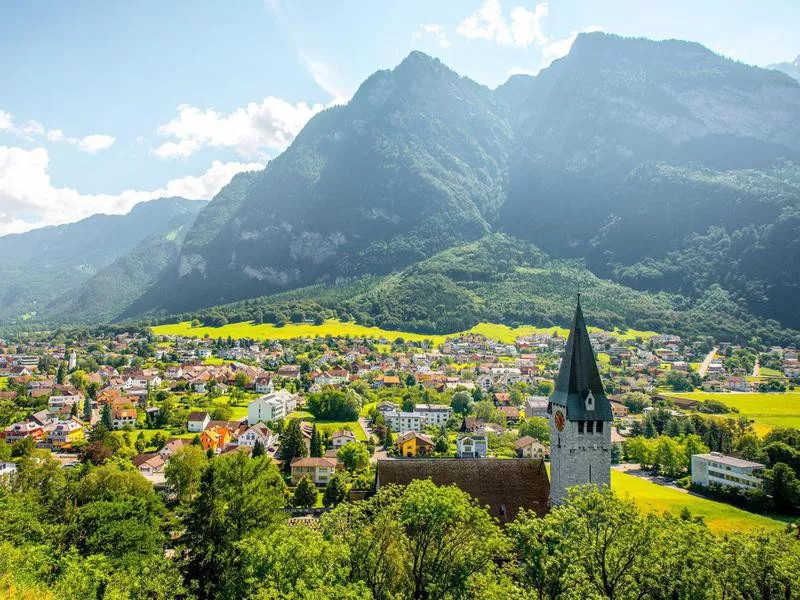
(107, 104)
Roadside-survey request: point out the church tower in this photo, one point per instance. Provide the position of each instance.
(580, 418)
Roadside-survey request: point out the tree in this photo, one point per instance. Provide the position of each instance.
(183, 471)
(335, 491)
(60, 374)
(237, 496)
(462, 402)
(258, 449)
(442, 443)
(536, 427)
(354, 456)
(305, 494)
(782, 484)
(387, 440)
(78, 379)
(87, 410)
(107, 419)
(316, 442)
(292, 444)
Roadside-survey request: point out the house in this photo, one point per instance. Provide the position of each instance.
(64, 433)
(530, 447)
(121, 417)
(59, 403)
(536, 406)
(386, 406)
(619, 410)
(403, 421)
(149, 463)
(7, 469)
(433, 414)
(320, 469)
(18, 431)
(387, 381)
(256, 433)
(271, 407)
(511, 413)
(474, 445)
(263, 385)
(340, 438)
(215, 439)
(412, 443)
(727, 471)
(504, 485)
(172, 446)
(290, 371)
(197, 421)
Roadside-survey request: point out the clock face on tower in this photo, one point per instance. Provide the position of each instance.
(559, 419)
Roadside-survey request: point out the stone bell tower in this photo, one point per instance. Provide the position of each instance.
(580, 418)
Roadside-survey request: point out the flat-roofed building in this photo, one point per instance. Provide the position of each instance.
(728, 471)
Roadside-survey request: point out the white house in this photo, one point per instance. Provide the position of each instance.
(57, 403)
(433, 414)
(256, 433)
(340, 438)
(728, 471)
(474, 445)
(403, 421)
(530, 447)
(263, 385)
(271, 407)
(197, 421)
(319, 469)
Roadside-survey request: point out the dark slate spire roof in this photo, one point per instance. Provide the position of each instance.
(579, 377)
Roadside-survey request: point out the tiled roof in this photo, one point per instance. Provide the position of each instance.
(504, 485)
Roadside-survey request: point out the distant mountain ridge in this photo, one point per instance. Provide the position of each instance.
(661, 165)
(792, 69)
(40, 267)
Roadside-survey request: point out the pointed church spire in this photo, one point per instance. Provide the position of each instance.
(578, 386)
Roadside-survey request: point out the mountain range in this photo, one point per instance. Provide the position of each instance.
(658, 168)
(790, 68)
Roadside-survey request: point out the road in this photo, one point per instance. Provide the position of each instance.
(707, 361)
(756, 369)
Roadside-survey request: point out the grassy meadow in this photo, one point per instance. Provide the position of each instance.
(719, 517)
(336, 328)
(766, 410)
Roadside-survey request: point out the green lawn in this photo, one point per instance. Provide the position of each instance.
(767, 410)
(336, 328)
(330, 426)
(719, 517)
(367, 407)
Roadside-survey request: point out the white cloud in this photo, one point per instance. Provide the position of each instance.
(435, 30)
(269, 126)
(94, 143)
(520, 71)
(489, 23)
(325, 77)
(32, 130)
(28, 199)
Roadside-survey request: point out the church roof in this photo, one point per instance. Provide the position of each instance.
(505, 485)
(579, 378)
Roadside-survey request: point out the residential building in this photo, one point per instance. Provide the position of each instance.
(17, 431)
(64, 433)
(727, 471)
(433, 414)
(320, 469)
(271, 407)
(197, 421)
(121, 417)
(340, 438)
(403, 421)
(215, 438)
(412, 443)
(256, 433)
(530, 447)
(57, 403)
(475, 445)
(7, 469)
(536, 406)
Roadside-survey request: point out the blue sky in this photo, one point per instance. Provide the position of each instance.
(105, 104)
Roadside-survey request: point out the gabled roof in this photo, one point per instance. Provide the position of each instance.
(579, 377)
(503, 484)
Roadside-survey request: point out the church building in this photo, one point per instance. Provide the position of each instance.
(580, 418)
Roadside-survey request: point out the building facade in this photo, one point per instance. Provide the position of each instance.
(727, 471)
(580, 418)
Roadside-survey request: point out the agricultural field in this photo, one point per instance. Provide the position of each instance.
(766, 410)
(333, 327)
(719, 517)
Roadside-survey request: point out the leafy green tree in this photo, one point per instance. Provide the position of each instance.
(536, 427)
(237, 496)
(292, 444)
(258, 449)
(107, 419)
(305, 494)
(183, 471)
(462, 402)
(316, 443)
(782, 484)
(335, 491)
(354, 456)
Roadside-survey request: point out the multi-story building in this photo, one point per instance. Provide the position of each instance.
(271, 407)
(474, 445)
(403, 421)
(433, 414)
(318, 468)
(728, 471)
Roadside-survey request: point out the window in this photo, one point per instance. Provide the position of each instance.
(589, 426)
(580, 426)
(599, 427)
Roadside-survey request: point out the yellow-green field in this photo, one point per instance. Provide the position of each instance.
(336, 328)
(767, 410)
(719, 517)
